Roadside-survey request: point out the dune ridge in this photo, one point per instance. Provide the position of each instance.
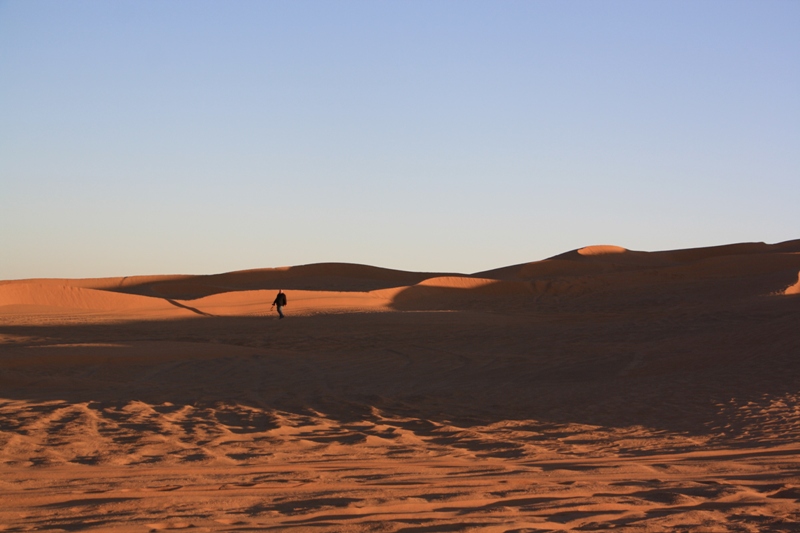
(602, 249)
(339, 287)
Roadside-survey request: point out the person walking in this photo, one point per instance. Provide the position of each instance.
(280, 301)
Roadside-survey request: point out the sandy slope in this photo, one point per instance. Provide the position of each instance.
(794, 288)
(600, 389)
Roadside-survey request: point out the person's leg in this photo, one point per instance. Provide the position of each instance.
(280, 312)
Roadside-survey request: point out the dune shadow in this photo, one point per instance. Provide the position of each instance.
(188, 308)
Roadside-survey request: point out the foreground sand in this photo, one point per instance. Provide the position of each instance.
(601, 389)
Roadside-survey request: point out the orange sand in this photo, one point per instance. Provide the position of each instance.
(601, 389)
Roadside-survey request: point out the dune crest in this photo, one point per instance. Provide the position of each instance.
(602, 249)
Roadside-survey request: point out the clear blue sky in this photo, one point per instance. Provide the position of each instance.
(150, 137)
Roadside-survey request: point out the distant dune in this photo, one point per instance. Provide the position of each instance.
(601, 389)
(342, 287)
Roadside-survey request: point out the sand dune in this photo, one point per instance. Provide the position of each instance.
(22, 298)
(794, 288)
(337, 286)
(601, 389)
(602, 249)
(607, 258)
(339, 277)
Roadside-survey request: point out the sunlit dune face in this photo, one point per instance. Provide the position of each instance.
(794, 289)
(602, 249)
(453, 282)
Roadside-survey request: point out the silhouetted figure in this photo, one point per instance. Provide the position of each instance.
(280, 301)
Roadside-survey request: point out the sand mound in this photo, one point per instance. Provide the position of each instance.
(602, 249)
(584, 261)
(607, 268)
(44, 297)
(793, 289)
(339, 287)
(339, 277)
(113, 284)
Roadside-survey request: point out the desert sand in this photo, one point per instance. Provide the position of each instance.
(601, 389)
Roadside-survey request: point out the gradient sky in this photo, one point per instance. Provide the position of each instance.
(151, 137)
